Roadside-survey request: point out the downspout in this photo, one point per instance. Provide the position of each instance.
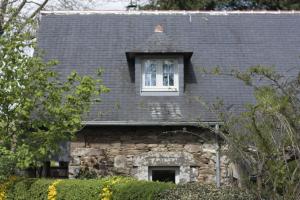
(218, 168)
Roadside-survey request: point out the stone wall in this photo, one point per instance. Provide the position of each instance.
(131, 150)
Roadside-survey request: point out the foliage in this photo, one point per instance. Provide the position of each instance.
(52, 192)
(264, 141)
(75, 189)
(18, 13)
(138, 190)
(222, 5)
(203, 192)
(33, 189)
(72, 5)
(86, 173)
(7, 163)
(119, 188)
(4, 187)
(180, 5)
(38, 109)
(259, 5)
(109, 183)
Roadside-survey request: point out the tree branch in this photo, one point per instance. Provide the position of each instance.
(32, 2)
(38, 9)
(3, 8)
(15, 14)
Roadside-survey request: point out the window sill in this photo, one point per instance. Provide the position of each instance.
(159, 90)
(159, 93)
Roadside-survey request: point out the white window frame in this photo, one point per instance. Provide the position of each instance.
(153, 168)
(159, 77)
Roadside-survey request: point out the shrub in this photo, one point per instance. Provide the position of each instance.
(138, 190)
(33, 189)
(5, 185)
(52, 190)
(113, 188)
(193, 191)
(86, 173)
(109, 183)
(74, 189)
(7, 163)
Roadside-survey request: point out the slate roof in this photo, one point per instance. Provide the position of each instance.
(158, 42)
(84, 41)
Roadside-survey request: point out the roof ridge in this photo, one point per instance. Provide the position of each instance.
(167, 12)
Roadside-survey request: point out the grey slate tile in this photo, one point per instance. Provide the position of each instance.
(86, 42)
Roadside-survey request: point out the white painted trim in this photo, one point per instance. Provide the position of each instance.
(159, 93)
(160, 89)
(165, 12)
(159, 76)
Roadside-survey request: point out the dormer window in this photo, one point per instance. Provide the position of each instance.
(158, 65)
(160, 75)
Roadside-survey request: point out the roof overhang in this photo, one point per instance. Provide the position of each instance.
(148, 123)
(132, 55)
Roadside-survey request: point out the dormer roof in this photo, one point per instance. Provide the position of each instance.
(158, 43)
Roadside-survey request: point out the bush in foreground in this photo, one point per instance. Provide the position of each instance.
(24, 189)
(112, 188)
(140, 190)
(197, 191)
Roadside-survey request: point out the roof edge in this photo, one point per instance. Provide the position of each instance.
(166, 12)
(147, 123)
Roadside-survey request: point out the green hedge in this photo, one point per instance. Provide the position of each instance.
(79, 189)
(121, 188)
(116, 188)
(140, 190)
(33, 189)
(197, 191)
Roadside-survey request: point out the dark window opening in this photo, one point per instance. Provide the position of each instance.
(56, 169)
(163, 175)
(49, 170)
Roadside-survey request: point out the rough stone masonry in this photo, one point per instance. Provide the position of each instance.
(130, 151)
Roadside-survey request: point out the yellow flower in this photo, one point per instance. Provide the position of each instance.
(52, 193)
(5, 185)
(2, 195)
(106, 193)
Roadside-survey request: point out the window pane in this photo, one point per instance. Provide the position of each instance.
(168, 74)
(171, 80)
(153, 79)
(150, 68)
(150, 74)
(166, 68)
(165, 80)
(147, 79)
(171, 68)
(147, 67)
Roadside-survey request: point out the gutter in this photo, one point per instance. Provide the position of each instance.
(146, 123)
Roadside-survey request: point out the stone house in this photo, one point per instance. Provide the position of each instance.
(148, 125)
